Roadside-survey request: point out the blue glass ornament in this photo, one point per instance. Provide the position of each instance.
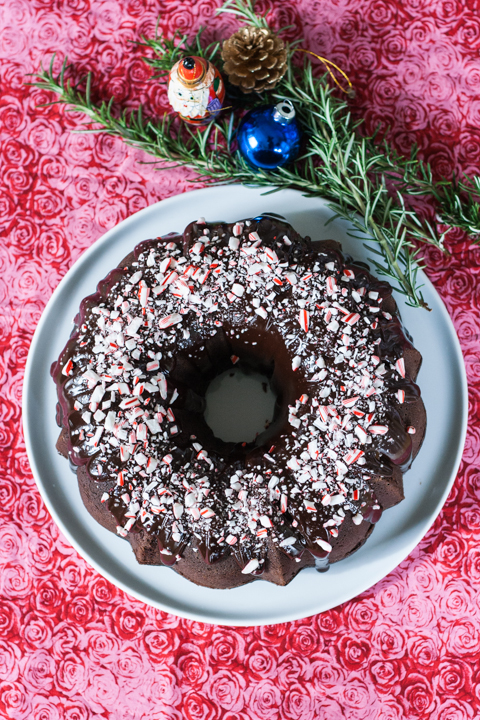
(269, 136)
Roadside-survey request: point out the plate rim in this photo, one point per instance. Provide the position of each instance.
(104, 572)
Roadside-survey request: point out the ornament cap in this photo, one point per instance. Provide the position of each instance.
(192, 71)
(284, 112)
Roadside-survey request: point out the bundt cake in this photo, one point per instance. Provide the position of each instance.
(178, 311)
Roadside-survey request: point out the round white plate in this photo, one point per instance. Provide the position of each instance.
(442, 380)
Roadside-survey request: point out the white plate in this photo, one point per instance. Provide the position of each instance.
(442, 380)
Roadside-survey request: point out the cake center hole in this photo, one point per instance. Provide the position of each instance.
(239, 405)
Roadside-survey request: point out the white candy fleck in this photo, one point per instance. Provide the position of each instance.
(251, 566)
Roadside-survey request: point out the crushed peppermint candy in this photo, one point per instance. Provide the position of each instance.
(169, 320)
(400, 367)
(325, 545)
(303, 320)
(378, 429)
(68, 367)
(251, 566)
(296, 362)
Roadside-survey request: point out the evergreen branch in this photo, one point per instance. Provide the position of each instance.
(245, 10)
(457, 200)
(168, 52)
(342, 179)
(350, 171)
(459, 203)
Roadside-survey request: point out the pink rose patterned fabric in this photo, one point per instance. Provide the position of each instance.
(74, 647)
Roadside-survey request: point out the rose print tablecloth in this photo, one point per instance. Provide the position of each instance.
(72, 646)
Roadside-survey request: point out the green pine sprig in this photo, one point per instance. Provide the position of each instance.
(364, 181)
(245, 11)
(459, 204)
(169, 51)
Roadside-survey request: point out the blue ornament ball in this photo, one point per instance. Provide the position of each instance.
(269, 136)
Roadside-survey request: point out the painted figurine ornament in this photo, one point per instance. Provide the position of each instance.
(196, 90)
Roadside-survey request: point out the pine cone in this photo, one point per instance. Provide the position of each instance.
(255, 59)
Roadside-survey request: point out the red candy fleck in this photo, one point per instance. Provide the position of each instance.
(169, 320)
(378, 429)
(303, 320)
(68, 367)
(352, 456)
(351, 318)
(350, 402)
(400, 367)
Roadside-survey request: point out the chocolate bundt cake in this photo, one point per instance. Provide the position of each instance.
(180, 310)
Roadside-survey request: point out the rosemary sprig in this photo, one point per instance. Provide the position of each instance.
(350, 171)
(342, 176)
(245, 10)
(459, 203)
(168, 52)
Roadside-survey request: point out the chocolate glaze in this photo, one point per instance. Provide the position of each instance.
(207, 352)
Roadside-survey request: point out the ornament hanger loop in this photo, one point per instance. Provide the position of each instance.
(329, 64)
(285, 109)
